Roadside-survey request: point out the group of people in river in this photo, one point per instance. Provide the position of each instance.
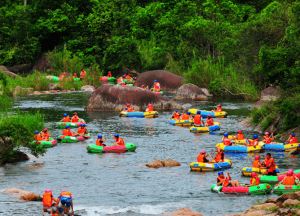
(65, 75)
(129, 108)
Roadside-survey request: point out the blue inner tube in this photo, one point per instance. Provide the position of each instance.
(136, 114)
(214, 128)
(274, 147)
(205, 113)
(238, 149)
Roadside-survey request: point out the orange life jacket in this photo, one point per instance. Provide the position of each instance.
(128, 77)
(66, 119)
(120, 142)
(100, 142)
(253, 142)
(130, 109)
(219, 109)
(45, 135)
(201, 158)
(38, 137)
(47, 199)
(82, 131)
(268, 139)
(176, 115)
(67, 132)
(210, 122)
(185, 116)
(219, 157)
(289, 180)
(156, 86)
(256, 164)
(75, 118)
(226, 141)
(82, 74)
(149, 108)
(293, 140)
(270, 164)
(66, 194)
(197, 119)
(240, 136)
(224, 180)
(254, 181)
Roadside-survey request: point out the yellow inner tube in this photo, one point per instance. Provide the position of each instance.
(203, 167)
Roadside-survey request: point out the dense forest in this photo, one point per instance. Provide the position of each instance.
(232, 47)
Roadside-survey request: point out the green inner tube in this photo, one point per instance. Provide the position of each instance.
(44, 143)
(260, 189)
(68, 139)
(76, 79)
(283, 189)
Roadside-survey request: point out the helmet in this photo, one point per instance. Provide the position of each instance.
(116, 135)
(225, 134)
(253, 174)
(154, 80)
(257, 157)
(267, 133)
(48, 191)
(188, 113)
(255, 136)
(293, 134)
(99, 136)
(68, 126)
(65, 114)
(220, 173)
(290, 172)
(82, 125)
(198, 112)
(176, 110)
(240, 131)
(36, 132)
(202, 151)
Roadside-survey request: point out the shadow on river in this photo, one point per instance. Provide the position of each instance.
(121, 184)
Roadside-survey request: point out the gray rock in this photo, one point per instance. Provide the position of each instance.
(190, 92)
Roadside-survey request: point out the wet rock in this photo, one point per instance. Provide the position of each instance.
(283, 212)
(285, 197)
(87, 88)
(21, 68)
(167, 80)
(190, 91)
(155, 164)
(291, 202)
(5, 70)
(170, 163)
(183, 212)
(264, 206)
(19, 91)
(18, 156)
(206, 92)
(163, 163)
(295, 211)
(256, 213)
(271, 200)
(23, 194)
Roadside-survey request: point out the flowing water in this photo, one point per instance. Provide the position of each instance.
(121, 184)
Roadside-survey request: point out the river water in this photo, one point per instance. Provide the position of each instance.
(121, 184)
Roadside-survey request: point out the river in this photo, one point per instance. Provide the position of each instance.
(121, 184)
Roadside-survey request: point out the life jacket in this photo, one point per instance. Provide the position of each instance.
(120, 142)
(254, 181)
(109, 74)
(268, 139)
(289, 180)
(75, 118)
(47, 199)
(100, 142)
(156, 87)
(130, 109)
(128, 77)
(253, 142)
(67, 132)
(66, 119)
(224, 180)
(240, 136)
(219, 157)
(226, 141)
(82, 131)
(149, 109)
(293, 140)
(185, 116)
(270, 164)
(66, 194)
(256, 164)
(197, 119)
(45, 135)
(38, 137)
(219, 109)
(210, 122)
(201, 158)
(176, 115)
(82, 74)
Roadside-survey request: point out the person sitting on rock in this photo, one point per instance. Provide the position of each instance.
(82, 131)
(209, 121)
(239, 135)
(185, 116)
(75, 117)
(67, 131)
(253, 142)
(37, 136)
(82, 74)
(198, 119)
(254, 180)
(219, 156)
(268, 138)
(226, 140)
(100, 140)
(45, 134)
(256, 163)
(269, 164)
(176, 115)
(156, 86)
(226, 181)
(109, 74)
(290, 178)
(118, 140)
(66, 118)
(292, 138)
(65, 201)
(129, 108)
(150, 108)
(202, 157)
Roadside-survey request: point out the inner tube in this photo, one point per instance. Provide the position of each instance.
(260, 189)
(183, 123)
(239, 148)
(214, 127)
(62, 125)
(72, 139)
(275, 179)
(110, 80)
(246, 171)
(210, 166)
(205, 113)
(151, 114)
(46, 143)
(284, 189)
(279, 147)
(236, 141)
(93, 148)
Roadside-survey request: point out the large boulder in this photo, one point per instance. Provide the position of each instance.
(23, 194)
(113, 98)
(167, 80)
(192, 92)
(20, 91)
(87, 88)
(268, 94)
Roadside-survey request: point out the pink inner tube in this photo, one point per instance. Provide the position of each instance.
(54, 142)
(239, 189)
(114, 149)
(104, 78)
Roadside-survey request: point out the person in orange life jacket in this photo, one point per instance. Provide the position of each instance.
(149, 108)
(156, 86)
(66, 118)
(269, 163)
(48, 200)
(254, 141)
(202, 157)
(75, 117)
(256, 163)
(67, 131)
(176, 115)
(65, 200)
(82, 73)
(109, 74)
(75, 75)
(268, 138)
(254, 180)
(119, 140)
(128, 77)
(292, 138)
(226, 140)
(198, 119)
(185, 116)
(81, 131)
(209, 121)
(226, 181)
(129, 108)
(290, 178)
(100, 140)
(219, 108)
(219, 156)
(37, 136)
(240, 135)
(62, 75)
(45, 134)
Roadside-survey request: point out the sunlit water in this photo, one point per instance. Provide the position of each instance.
(121, 184)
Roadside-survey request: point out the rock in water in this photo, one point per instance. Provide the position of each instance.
(23, 194)
(170, 163)
(163, 163)
(167, 80)
(87, 88)
(183, 212)
(155, 164)
(190, 91)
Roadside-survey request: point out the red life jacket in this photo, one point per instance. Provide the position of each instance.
(293, 140)
(240, 136)
(185, 116)
(67, 132)
(253, 142)
(219, 157)
(254, 181)
(47, 199)
(120, 142)
(226, 141)
(176, 115)
(66, 119)
(270, 164)
(100, 142)
(75, 118)
(197, 119)
(289, 180)
(201, 158)
(268, 139)
(210, 122)
(82, 131)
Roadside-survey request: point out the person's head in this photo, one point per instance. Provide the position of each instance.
(255, 136)
(257, 157)
(116, 136)
(219, 105)
(267, 133)
(268, 155)
(68, 127)
(99, 136)
(128, 104)
(199, 112)
(203, 152)
(75, 113)
(290, 172)
(253, 174)
(225, 134)
(293, 134)
(220, 173)
(240, 131)
(176, 111)
(65, 114)
(36, 132)
(150, 104)
(45, 129)
(209, 117)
